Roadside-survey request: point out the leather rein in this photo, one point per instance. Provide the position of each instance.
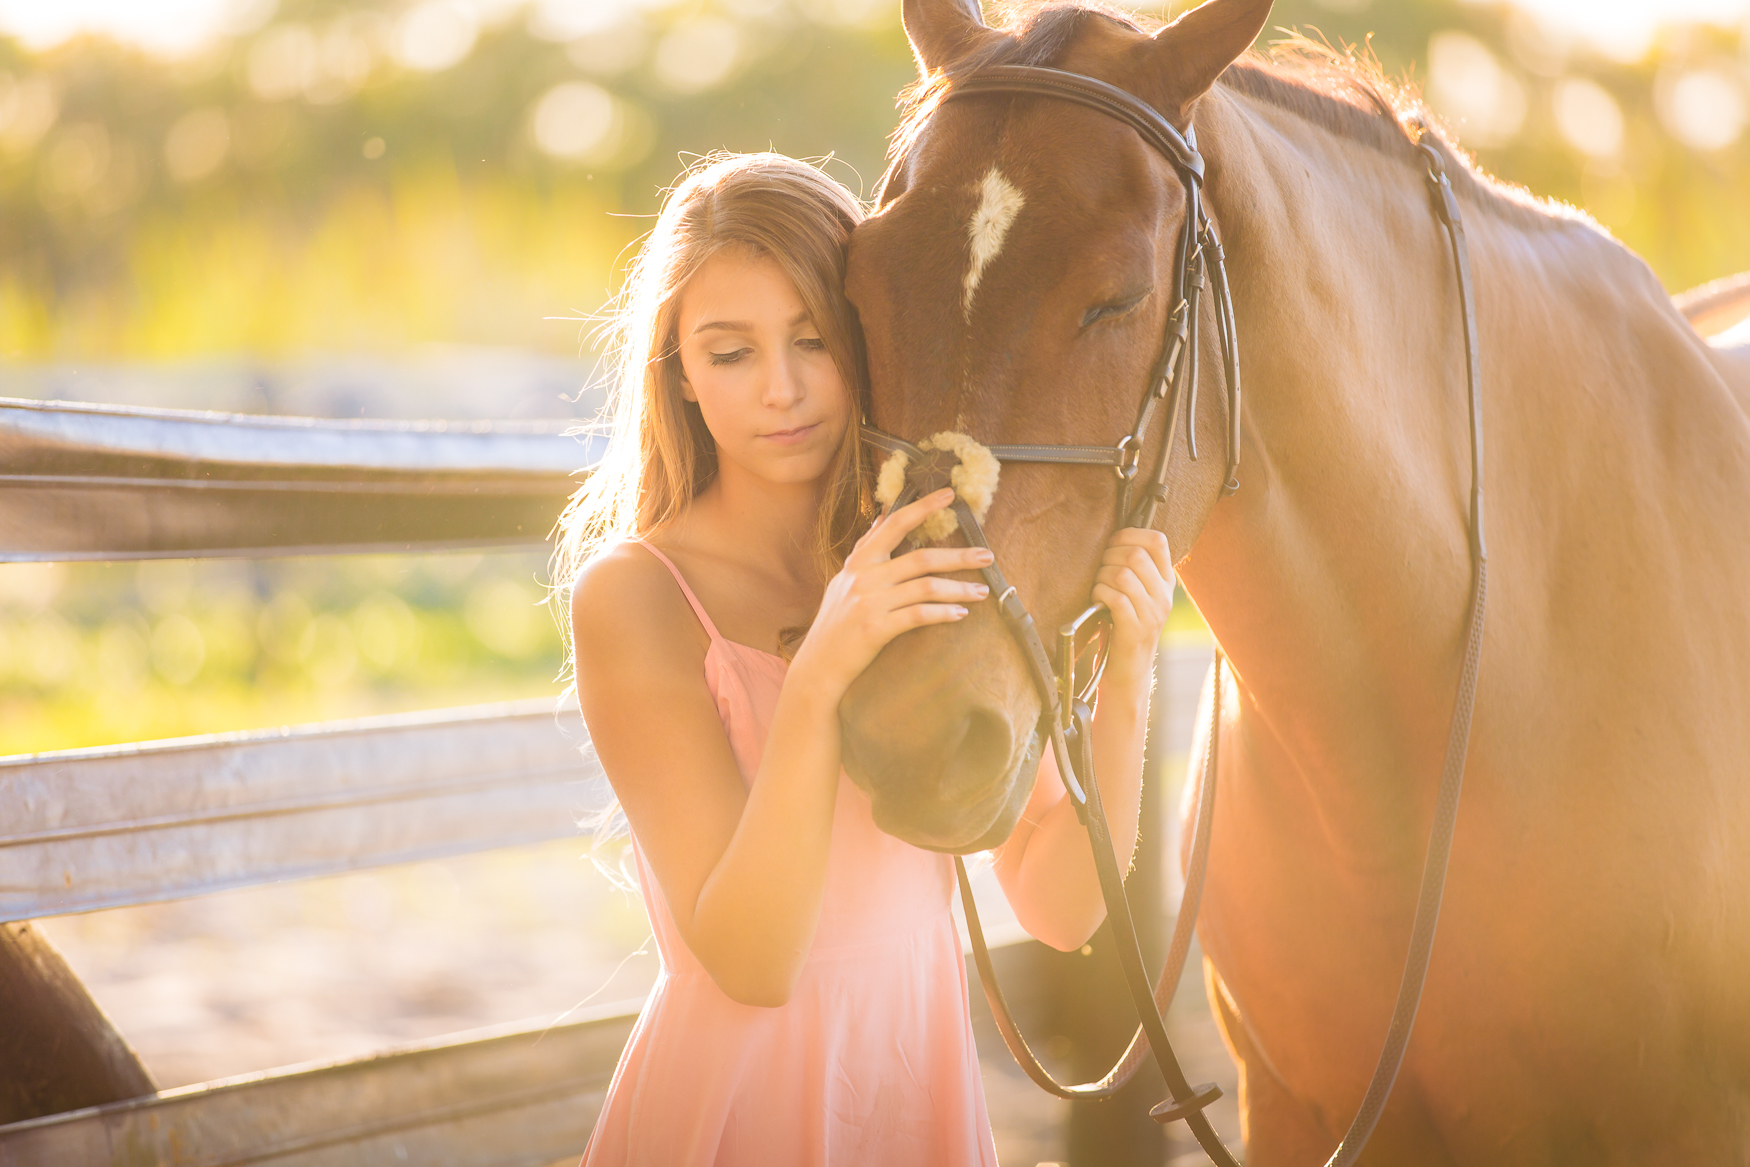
(1066, 719)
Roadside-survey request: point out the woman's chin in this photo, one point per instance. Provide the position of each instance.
(787, 466)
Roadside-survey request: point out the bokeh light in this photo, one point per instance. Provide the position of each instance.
(1704, 108)
(1588, 117)
(1469, 86)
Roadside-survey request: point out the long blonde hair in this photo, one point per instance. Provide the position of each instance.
(660, 455)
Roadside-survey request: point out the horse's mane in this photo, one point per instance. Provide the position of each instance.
(1343, 92)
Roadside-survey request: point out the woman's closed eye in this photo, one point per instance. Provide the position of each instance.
(729, 358)
(812, 344)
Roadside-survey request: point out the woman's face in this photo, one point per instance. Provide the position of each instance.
(754, 361)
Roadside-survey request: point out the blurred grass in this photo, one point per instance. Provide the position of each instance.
(99, 654)
(1185, 624)
(93, 654)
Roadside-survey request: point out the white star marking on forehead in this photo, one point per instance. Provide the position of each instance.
(998, 204)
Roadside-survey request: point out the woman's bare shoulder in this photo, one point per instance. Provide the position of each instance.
(625, 605)
(645, 698)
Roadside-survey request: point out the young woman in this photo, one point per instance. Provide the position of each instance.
(812, 1007)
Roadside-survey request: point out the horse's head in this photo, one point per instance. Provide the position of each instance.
(1014, 286)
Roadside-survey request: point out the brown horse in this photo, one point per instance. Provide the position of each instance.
(1589, 998)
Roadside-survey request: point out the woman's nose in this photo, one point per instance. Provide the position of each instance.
(784, 387)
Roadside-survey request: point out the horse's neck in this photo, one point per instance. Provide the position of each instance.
(1337, 578)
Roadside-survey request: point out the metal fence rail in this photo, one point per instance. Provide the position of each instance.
(514, 1096)
(106, 482)
(135, 824)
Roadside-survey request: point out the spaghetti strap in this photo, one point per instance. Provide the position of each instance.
(698, 608)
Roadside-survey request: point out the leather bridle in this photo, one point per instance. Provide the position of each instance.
(1066, 714)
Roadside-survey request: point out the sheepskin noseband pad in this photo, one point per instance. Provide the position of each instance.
(948, 459)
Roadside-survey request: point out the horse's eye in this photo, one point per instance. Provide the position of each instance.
(1112, 310)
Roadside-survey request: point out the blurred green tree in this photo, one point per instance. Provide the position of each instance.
(371, 175)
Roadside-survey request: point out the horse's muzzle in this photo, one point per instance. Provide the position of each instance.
(941, 762)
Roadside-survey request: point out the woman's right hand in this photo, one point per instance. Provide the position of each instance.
(875, 597)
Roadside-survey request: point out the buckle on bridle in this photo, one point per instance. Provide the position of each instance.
(1129, 457)
(1077, 745)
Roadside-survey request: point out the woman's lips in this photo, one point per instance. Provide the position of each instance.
(791, 437)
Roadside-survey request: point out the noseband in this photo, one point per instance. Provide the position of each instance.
(1065, 712)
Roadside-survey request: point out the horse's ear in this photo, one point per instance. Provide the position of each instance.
(1184, 58)
(941, 31)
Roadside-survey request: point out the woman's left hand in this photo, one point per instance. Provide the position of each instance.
(1044, 866)
(1135, 582)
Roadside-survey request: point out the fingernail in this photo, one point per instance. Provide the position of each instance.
(983, 590)
(985, 555)
(959, 611)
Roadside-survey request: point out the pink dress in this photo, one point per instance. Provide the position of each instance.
(871, 1061)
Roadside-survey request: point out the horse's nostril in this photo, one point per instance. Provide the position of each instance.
(982, 755)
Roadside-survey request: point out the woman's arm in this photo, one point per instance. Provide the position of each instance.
(1045, 866)
(742, 867)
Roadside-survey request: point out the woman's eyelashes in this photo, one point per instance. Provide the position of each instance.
(811, 344)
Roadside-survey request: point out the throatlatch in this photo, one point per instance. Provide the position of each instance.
(1065, 717)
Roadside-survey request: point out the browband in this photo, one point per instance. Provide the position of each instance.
(1091, 92)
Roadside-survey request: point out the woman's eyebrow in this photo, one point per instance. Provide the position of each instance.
(742, 325)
